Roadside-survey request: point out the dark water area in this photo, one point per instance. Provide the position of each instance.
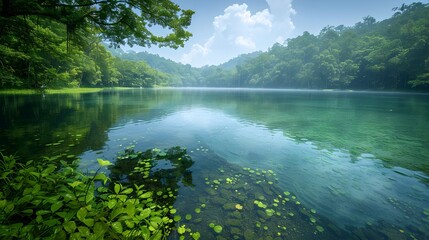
(269, 164)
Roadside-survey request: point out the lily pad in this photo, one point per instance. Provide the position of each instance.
(320, 228)
(269, 212)
(218, 229)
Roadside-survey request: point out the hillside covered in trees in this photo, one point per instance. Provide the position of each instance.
(389, 55)
(392, 54)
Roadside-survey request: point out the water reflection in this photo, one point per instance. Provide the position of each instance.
(358, 158)
(348, 191)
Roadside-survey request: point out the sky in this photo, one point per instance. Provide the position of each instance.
(224, 29)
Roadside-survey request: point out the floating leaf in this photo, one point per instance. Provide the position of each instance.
(196, 235)
(181, 229)
(218, 229)
(103, 163)
(269, 212)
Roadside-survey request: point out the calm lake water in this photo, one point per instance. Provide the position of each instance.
(302, 164)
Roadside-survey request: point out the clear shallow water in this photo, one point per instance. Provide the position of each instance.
(359, 159)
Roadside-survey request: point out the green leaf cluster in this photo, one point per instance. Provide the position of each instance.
(52, 199)
(61, 43)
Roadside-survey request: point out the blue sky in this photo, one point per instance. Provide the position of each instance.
(223, 29)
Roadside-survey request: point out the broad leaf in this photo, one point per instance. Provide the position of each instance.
(69, 226)
(81, 214)
(117, 226)
(104, 163)
(56, 206)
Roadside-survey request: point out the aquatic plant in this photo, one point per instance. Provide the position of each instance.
(320, 228)
(51, 198)
(218, 228)
(69, 204)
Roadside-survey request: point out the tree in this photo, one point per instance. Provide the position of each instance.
(118, 21)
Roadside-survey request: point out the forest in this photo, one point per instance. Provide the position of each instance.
(392, 54)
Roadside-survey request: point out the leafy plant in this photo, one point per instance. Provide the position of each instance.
(52, 199)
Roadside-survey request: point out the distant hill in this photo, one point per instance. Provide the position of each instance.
(165, 65)
(231, 64)
(392, 54)
(186, 75)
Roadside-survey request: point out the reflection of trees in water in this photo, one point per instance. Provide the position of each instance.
(158, 170)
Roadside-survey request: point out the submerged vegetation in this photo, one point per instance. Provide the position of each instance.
(160, 194)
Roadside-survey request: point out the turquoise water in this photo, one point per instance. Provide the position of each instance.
(356, 163)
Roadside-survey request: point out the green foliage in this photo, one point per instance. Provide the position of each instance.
(120, 22)
(370, 55)
(391, 54)
(58, 44)
(52, 199)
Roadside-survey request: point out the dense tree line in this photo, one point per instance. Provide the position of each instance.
(59, 43)
(392, 54)
(37, 49)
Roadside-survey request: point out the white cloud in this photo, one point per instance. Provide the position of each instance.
(197, 51)
(245, 42)
(239, 31)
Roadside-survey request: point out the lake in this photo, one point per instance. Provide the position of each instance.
(268, 164)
